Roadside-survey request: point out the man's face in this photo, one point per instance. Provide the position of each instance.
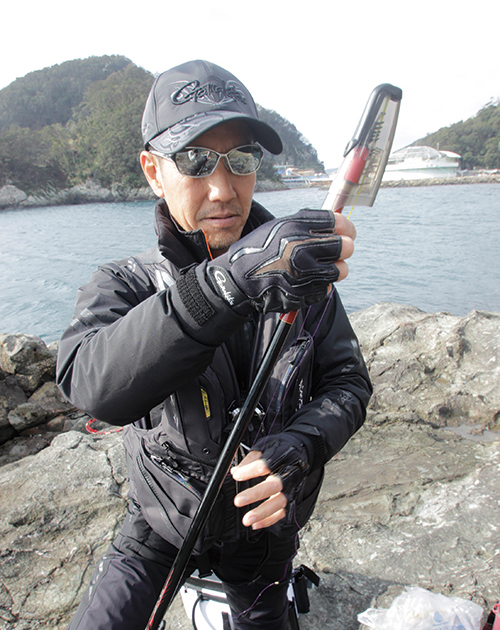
(218, 204)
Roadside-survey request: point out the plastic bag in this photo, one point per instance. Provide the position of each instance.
(418, 609)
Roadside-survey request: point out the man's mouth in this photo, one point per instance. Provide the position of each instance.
(223, 221)
(223, 218)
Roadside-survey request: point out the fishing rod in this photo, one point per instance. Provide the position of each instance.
(356, 183)
(365, 157)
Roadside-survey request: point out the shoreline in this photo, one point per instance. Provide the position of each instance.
(91, 191)
(12, 198)
(480, 178)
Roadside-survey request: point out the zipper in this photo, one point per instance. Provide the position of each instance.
(170, 448)
(236, 385)
(258, 342)
(293, 365)
(171, 473)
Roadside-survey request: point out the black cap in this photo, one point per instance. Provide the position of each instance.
(190, 99)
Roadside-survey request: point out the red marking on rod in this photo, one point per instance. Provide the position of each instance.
(356, 165)
(288, 318)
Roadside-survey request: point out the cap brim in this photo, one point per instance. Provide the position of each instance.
(183, 133)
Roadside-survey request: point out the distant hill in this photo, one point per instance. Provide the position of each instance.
(297, 150)
(477, 139)
(49, 96)
(80, 119)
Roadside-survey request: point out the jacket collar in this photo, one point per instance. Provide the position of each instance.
(182, 247)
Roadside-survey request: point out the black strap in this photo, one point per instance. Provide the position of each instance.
(203, 564)
(192, 296)
(226, 624)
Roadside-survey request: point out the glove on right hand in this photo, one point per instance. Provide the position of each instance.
(287, 459)
(281, 266)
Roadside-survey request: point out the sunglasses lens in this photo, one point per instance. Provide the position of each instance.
(196, 162)
(245, 160)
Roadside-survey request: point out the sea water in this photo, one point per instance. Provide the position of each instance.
(434, 247)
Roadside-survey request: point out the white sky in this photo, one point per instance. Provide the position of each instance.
(315, 63)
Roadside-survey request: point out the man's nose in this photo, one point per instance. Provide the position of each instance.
(220, 184)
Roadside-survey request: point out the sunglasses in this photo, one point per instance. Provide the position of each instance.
(199, 162)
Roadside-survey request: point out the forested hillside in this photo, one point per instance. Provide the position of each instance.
(49, 96)
(80, 119)
(477, 139)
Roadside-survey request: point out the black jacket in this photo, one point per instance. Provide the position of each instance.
(134, 354)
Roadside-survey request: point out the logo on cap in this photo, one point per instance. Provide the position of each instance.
(212, 93)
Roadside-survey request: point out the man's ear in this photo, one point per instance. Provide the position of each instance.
(150, 168)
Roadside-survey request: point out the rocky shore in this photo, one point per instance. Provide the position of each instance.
(93, 192)
(479, 178)
(90, 192)
(413, 499)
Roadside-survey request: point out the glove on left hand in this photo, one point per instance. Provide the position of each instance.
(287, 458)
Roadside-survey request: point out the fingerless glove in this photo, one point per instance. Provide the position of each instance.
(281, 266)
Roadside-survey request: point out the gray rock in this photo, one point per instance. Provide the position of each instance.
(11, 396)
(26, 416)
(46, 403)
(11, 196)
(405, 505)
(60, 510)
(49, 397)
(27, 366)
(90, 191)
(434, 368)
(28, 358)
(412, 500)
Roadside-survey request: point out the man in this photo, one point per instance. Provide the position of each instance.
(168, 342)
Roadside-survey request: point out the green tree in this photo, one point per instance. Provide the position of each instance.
(48, 96)
(80, 119)
(476, 139)
(492, 154)
(34, 160)
(297, 150)
(267, 170)
(108, 128)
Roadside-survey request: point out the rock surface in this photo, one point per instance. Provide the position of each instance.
(434, 368)
(28, 394)
(61, 508)
(89, 192)
(11, 196)
(413, 498)
(92, 192)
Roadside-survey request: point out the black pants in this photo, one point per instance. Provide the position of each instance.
(128, 580)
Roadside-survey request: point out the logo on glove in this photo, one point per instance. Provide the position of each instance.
(222, 281)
